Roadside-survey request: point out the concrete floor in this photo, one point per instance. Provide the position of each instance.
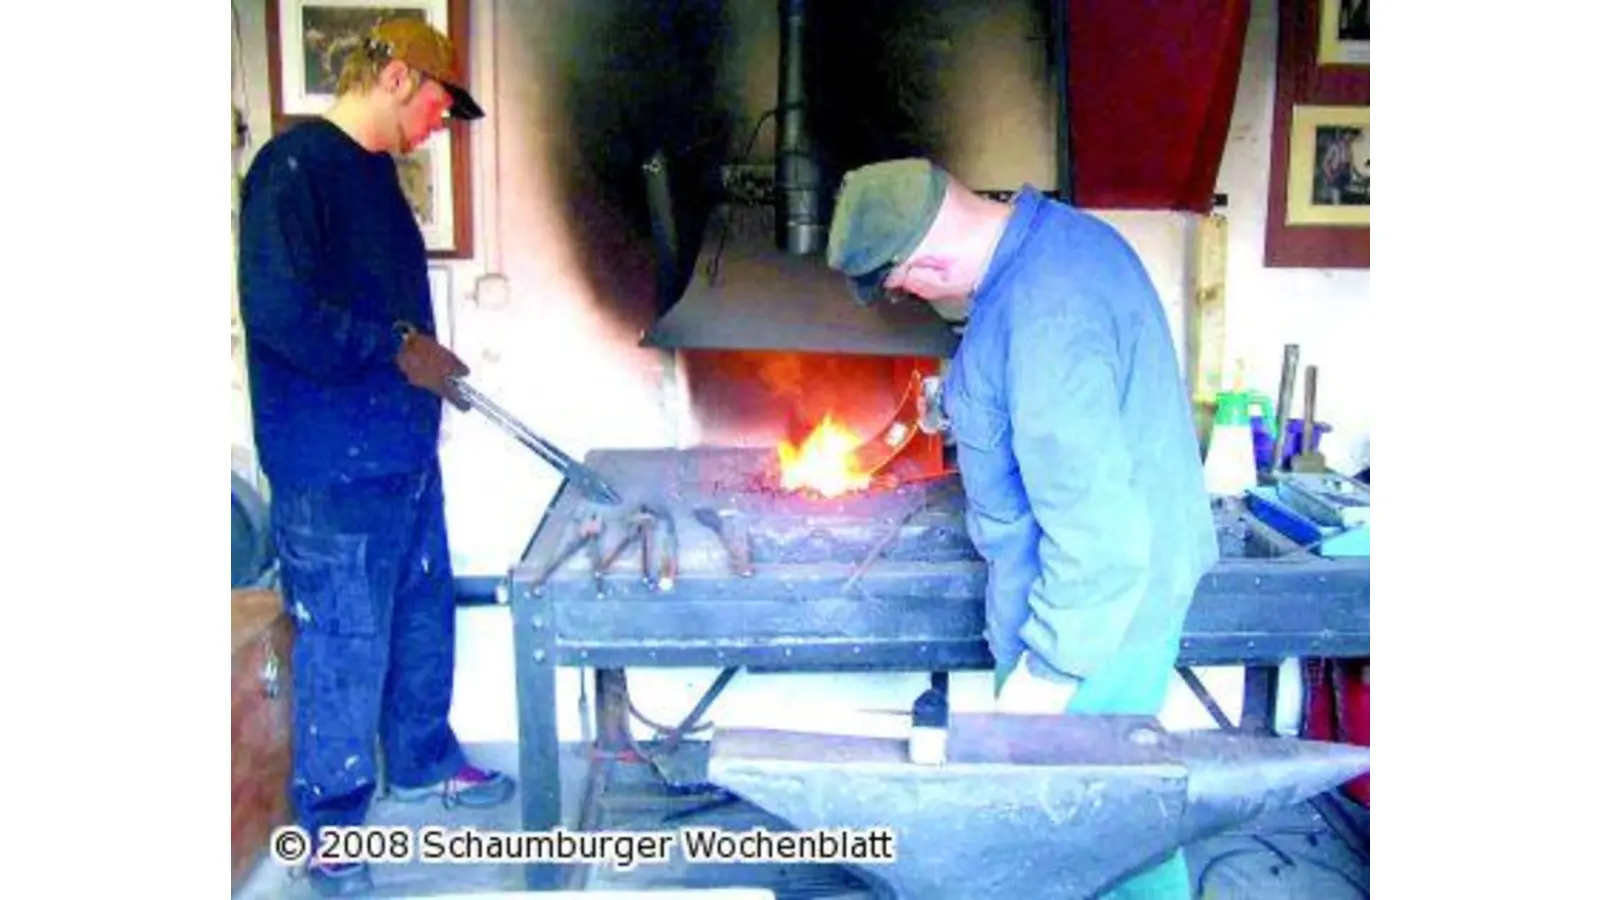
(1292, 855)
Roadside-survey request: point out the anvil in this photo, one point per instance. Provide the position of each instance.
(1027, 806)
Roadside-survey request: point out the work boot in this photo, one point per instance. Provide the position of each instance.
(341, 879)
(471, 787)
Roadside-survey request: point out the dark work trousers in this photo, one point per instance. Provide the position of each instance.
(367, 580)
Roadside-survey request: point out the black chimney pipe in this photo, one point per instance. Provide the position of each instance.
(664, 226)
(801, 230)
(1060, 36)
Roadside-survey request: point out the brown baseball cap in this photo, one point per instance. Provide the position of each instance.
(420, 46)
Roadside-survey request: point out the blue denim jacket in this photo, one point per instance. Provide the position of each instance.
(1076, 444)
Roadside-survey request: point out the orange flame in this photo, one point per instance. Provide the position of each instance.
(824, 462)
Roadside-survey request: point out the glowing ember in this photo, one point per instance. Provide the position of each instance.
(824, 462)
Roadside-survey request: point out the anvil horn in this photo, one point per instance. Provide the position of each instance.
(1027, 806)
(1235, 778)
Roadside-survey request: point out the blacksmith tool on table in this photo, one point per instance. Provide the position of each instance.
(666, 575)
(1291, 371)
(585, 479)
(642, 524)
(731, 529)
(1309, 458)
(588, 535)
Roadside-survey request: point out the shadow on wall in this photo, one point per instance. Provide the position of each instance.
(626, 78)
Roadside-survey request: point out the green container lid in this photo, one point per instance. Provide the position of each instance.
(1233, 408)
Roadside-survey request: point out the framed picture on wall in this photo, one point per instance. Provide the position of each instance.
(1342, 33)
(425, 180)
(314, 36)
(1330, 166)
(1319, 198)
(307, 42)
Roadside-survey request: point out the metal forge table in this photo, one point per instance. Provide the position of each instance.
(886, 581)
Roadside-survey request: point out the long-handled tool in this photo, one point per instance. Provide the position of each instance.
(730, 528)
(1309, 459)
(585, 479)
(1291, 371)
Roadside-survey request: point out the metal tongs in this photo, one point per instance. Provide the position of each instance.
(585, 479)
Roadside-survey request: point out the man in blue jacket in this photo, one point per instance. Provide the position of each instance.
(1075, 439)
(346, 384)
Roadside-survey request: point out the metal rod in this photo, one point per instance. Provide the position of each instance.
(667, 575)
(1206, 700)
(664, 226)
(491, 410)
(597, 778)
(1060, 35)
(723, 799)
(581, 476)
(611, 708)
(587, 531)
(800, 225)
(1343, 825)
(633, 534)
(646, 532)
(1260, 699)
(882, 544)
(1291, 366)
(689, 721)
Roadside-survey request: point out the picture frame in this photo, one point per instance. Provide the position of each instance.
(302, 73)
(425, 179)
(1343, 33)
(1330, 166)
(314, 35)
(439, 286)
(1316, 234)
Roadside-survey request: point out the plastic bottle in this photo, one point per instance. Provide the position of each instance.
(1230, 464)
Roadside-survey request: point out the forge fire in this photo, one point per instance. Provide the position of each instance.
(824, 462)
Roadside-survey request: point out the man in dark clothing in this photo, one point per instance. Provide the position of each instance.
(346, 383)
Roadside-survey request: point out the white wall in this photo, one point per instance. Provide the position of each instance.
(543, 349)
(1325, 311)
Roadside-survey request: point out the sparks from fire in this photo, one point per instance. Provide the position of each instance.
(824, 462)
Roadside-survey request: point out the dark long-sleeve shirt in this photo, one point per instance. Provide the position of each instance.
(330, 258)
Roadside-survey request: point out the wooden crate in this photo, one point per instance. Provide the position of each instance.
(261, 723)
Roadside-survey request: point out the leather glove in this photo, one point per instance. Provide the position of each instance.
(429, 365)
(1027, 693)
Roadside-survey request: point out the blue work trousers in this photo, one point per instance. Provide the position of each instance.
(367, 580)
(1134, 681)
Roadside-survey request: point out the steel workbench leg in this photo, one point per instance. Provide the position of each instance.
(1259, 715)
(611, 709)
(539, 745)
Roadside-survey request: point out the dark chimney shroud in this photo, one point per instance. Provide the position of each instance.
(769, 339)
